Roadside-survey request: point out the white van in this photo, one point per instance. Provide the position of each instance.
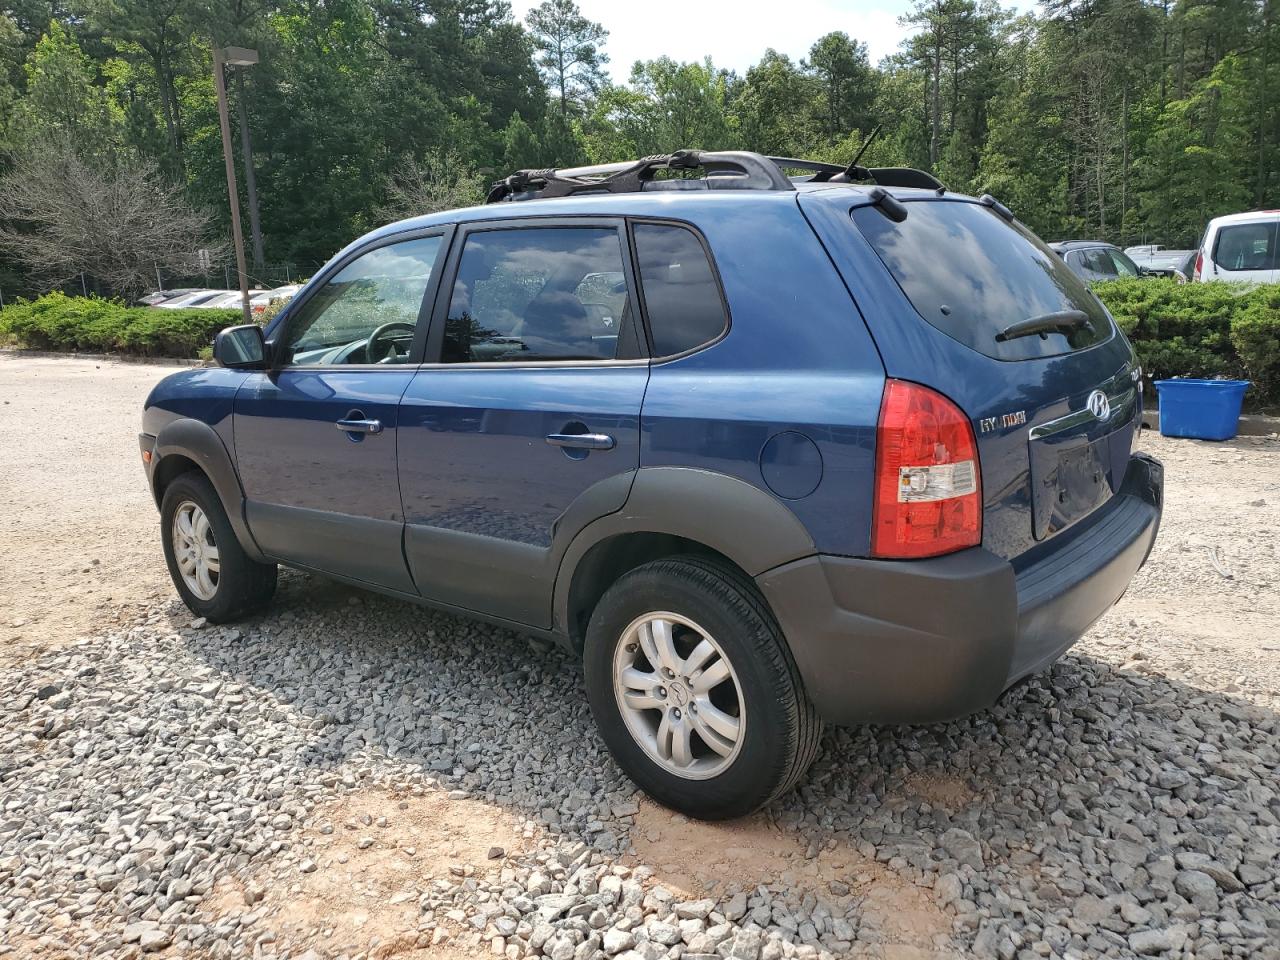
(1243, 248)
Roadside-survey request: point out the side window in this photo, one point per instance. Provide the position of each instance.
(1247, 246)
(367, 312)
(1121, 264)
(681, 296)
(539, 293)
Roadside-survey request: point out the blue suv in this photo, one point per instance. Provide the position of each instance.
(766, 442)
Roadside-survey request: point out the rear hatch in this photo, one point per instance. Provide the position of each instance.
(978, 308)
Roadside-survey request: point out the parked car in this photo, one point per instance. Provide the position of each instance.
(1095, 261)
(1143, 250)
(1241, 248)
(264, 298)
(196, 298)
(1184, 269)
(160, 296)
(230, 300)
(765, 452)
(1157, 260)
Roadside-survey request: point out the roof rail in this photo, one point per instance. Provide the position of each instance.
(724, 170)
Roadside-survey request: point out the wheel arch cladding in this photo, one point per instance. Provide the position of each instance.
(675, 510)
(193, 444)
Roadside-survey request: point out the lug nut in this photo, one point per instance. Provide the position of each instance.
(662, 693)
(676, 713)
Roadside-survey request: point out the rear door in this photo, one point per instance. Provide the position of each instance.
(525, 424)
(1053, 412)
(1245, 252)
(315, 438)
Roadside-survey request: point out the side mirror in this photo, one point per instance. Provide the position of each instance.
(240, 347)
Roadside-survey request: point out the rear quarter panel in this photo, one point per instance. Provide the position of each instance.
(797, 360)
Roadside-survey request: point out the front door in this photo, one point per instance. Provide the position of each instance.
(315, 438)
(527, 425)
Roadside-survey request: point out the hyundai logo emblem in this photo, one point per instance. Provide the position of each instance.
(1099, 405)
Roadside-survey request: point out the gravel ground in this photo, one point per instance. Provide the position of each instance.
(351, 776)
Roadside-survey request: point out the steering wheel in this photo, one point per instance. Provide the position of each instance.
(375, 351)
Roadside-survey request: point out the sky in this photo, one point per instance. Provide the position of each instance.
(735, 33)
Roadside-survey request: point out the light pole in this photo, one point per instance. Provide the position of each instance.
(250, 179)
(235, 57)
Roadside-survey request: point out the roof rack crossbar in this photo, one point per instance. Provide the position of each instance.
(726, 169)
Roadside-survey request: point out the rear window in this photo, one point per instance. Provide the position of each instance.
(971, 274)
(1247, 246)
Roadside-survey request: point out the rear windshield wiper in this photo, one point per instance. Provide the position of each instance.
(1045, 323)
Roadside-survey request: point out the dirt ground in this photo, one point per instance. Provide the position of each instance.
(79, 548)
(80, 551)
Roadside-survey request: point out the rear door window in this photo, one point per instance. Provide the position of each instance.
(540, 293)
(971, 274)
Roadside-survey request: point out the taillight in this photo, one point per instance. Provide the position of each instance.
(1195, 274)
(928, 491)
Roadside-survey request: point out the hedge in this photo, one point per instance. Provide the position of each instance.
(59, 322)
(1201, 330)
(1178, 330)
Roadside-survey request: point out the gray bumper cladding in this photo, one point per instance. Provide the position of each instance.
(922, 641)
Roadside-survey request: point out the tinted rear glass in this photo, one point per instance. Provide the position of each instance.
(972, 274)
(681, 295)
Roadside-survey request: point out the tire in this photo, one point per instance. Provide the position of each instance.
(777, 728)
(240, 585)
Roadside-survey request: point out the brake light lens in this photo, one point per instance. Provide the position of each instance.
(1195, 274)
(928, 489)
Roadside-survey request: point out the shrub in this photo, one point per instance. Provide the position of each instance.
(1255, 334)
(1201, 329)
(59, 322)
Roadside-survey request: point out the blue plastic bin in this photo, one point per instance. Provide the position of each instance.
(1202, 409)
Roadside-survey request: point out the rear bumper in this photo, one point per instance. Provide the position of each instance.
(923, 641)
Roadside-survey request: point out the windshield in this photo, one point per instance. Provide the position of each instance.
(972, 274)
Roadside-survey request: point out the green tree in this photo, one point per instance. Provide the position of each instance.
(849, 84)
(570, 53)
(65, 100)
(776, 107)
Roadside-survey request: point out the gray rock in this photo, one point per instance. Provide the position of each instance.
(961, 846)
(615, 941)
(736, 908)
(664, 933)
(1150, 942)
(695, 909)
(746, 945)
(1226, 880)
(1199, 888)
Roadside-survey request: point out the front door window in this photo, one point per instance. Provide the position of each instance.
(368, 311)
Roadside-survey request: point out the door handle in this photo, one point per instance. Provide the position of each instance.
(359, 426)
(582, 441)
